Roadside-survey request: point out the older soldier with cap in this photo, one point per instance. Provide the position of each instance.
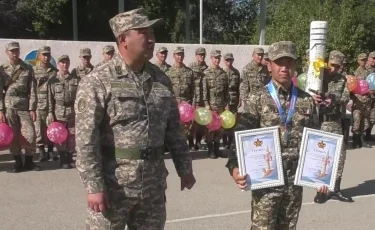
(19, 85)
(265, 59)
(216, 98)
(124, 111)
(182, 79)
(43, 72)
(161, 56)
(108, 53)
(278, 207)
(333, 110)
(62, 93)
(254, 75)
(234, 93)
(85, 67)
(199, 66)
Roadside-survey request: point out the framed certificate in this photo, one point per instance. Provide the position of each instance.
(259, 157)
(319, 157)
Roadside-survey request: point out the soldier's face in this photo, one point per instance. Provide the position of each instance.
(228, 62)
(265, 62)
(362, 62)
(109, 55)
(282, 69)
(258, 58)
(162, 56)
(371, 61)
(179, 57)
(85, 60)
(333, 68)
(215, 61)
(13, 54)
(44, 58)
(200, 57)
(140, 43)
(64, 65)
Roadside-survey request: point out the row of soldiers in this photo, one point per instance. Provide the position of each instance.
(34, 96)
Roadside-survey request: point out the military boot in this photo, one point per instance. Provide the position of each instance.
(64, 160)
(70, 159)
(338, 195)
(210, 152)
(30, 165)
(320, 198)
(18, 164)
(230, 141)
(52, 155)
(43, 156)
(217, 150)
(225, 140)
(364, 142)
(355, 141)
(368, 134)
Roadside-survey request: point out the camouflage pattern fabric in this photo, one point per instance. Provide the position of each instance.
(81, 71)
(234, 88)
(361, 112)
(277, 208)
(198, 69)
(253, 78)
(163, 67)
(361, 72)
(183, 83)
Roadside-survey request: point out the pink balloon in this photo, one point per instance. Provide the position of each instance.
(6, 134)
(186, 112)
(215, 123)
(362, 87)
(57, 133)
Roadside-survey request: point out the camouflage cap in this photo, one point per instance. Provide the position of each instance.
(85, 52)
(371, 55)
(266, 56)
(178, 49)
(258, 50)
(228, 56)
(200, 50)
(282, 49)
(216, 53)
(362, 56)
(12, 46)
(162, 49)
(336, 57)
(134, 19)
(108, 48)
(62, 57)
(44, 50)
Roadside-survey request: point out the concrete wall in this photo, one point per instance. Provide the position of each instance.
(242, 53)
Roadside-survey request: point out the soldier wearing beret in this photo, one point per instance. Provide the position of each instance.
(277, 207)
(19, 105)
(85, 67)
(125, 110)
(161, 56)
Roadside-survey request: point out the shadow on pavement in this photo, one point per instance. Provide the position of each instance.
(199, 155)
(46, 166)
(366, 188)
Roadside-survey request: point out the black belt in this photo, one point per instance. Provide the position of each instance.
(63, 103)
(139, 154)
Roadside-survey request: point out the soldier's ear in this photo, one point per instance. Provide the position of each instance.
(121, 40)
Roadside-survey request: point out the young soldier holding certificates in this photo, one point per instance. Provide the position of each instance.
(278, 103)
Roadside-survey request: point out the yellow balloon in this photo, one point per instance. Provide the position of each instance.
(202, 116)
(228, 119)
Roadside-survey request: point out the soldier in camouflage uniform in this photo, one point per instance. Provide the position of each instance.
(333, 110)
(124, 111)
(371, 69)
(20, 100)
(234, 93)
(215, 89)
(199, 66)
(108, 53)
(61, 96)
(43, 72)
(85, 67)
(277, 207)
(182, 79)
(162, 55)
(254, 75)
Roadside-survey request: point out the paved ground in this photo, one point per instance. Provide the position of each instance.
(54, 199)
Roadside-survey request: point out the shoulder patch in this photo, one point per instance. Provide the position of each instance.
(82, 105)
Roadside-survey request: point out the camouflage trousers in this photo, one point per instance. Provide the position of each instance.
(336, 128)
(70, 143)
(372, 114)
(23, 127)
(136, 194)
(276, 208)
(361, 121)
(41, 128)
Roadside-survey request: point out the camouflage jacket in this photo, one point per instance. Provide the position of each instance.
(362, 102)
(183, 83)
(253, 78)
(361, 72)
(163, 67)
(82, 71)
(335, 88)
(19, 85)
(62, 91)
(42, 77)
(198, 69)
(216, 88)
(234, 87)
(116, 108)
(260, 111)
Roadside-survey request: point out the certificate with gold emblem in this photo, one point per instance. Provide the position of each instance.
(319, 158)
(259, 157)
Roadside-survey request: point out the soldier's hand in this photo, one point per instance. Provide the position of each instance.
(240, 180)
(2, 117)
(187, 181)
(33, 115)
(98, 202)
(323, 189)
(317, 99)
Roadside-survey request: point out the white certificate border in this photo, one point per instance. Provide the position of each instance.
(302, 155)
(274, 130)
